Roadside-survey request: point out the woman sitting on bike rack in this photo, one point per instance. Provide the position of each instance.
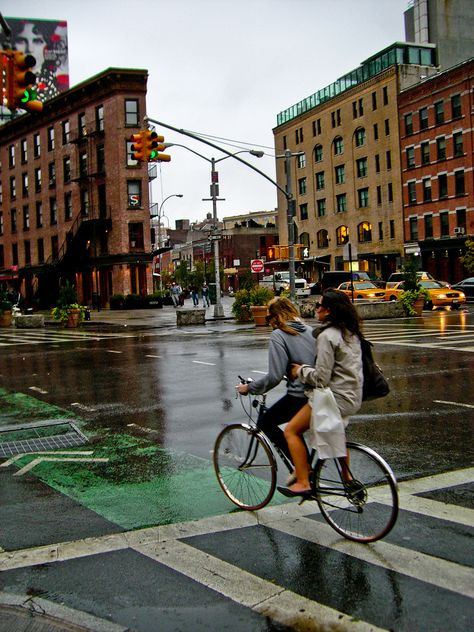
(290, 342)
(339, 367)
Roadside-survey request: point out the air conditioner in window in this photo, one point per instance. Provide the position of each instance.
(459, 230)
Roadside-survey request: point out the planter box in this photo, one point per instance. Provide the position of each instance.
(30, 321)
(194, 316)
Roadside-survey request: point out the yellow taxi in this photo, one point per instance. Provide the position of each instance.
(363, 289)
(439, 295)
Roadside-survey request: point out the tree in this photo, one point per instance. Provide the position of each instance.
(182, 275)
(468, 258)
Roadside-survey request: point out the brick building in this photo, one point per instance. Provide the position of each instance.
(347, 180)
(73, 203)
(437, 148)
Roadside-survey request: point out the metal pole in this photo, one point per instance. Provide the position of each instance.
(290, 213)
(218, 307)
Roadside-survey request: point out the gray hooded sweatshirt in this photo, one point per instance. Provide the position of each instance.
(284, 349)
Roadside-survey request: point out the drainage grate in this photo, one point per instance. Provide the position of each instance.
(49, 434)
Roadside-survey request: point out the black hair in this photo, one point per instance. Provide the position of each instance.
(343, 314)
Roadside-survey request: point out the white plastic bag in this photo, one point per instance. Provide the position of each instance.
(327, 426)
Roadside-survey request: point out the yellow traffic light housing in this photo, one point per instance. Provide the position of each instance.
(138, 147)
(154, 145)
(20, 82)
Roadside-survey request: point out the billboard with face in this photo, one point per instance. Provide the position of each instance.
(46, 40)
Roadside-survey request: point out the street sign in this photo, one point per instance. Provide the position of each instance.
(257, 265)
(214, 237)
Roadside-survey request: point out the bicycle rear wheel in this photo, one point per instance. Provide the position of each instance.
(245, 466)
(364, 509)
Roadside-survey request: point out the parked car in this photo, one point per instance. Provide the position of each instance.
(363, 289)
(396, 277)
(439, 296)
(280, 281)
(466, 286)
(334, 278)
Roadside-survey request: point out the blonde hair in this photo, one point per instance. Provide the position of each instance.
(282, 310)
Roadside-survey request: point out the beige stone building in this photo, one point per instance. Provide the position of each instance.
(346, 180)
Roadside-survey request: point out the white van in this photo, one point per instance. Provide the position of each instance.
(280, 281)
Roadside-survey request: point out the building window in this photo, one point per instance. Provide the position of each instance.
(2, 256)
(458, 149)
(360, 137)
(38, 179)
(24, 151)
(361, 167)
(374, 100)
(363, 197)
(320, 180)
(364, 232)
(426, 189)
(51, 174)
(26, 218)
(412, 192)
(131, 113)
(392, 228)
(323, 239)
(83, 164)
(425, 153)
(81, 125)
(66, 129)
(376, 131)
(303, 211)
(68, 206)
(428, 221)
(318, 153)
(50, 138)
(339, 174)
(12, 188)
(134, 192)
(461, 218)
(387, 127)
(99, 118)
(135, 236)
(15, 254)
(385, 95)
(342, 235)
(338, 146)
(379, 195)
(53, 211)
(36, 146)
(456, 106)
(302, 186)
(316, 127)
(67, 169)
(24, 184)
(444, 223)
(442, 185)
(410, 152)
(299, 138)
(39, 214)
(84, 200)
(408, 124)
(131, 162)
(1, 222)
(439, 112)
(11, 156)
(377, 163)
(341, 203)
(40, 250)
(301, 160)
(321, 206)
(54, 248)
(336, 118)
(423, 114)
(441, 148)
(459, 182)
(390, 192)
(13, 219)
(27, 248)
(100, 159)
(388, 158)
(380, 231)
(413, 227)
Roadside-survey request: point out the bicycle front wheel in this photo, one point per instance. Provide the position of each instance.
(365, 508)
(245, 466)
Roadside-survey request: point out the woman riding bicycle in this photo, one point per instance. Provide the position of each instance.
(339, 367)
(290, 342)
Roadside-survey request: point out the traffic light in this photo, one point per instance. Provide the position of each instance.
(20, 81)
(153, 145)
(273, 252)
(138, 147)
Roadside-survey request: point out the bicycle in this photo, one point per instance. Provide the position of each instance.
(246, 468)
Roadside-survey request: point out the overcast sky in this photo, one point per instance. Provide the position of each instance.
(225, 68)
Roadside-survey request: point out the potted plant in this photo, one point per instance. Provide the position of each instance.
(259, 297)
(241, 306)
(68, 311)
(413, 296)
(5, 310)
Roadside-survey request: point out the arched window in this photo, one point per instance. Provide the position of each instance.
(359, 137)
(318, 153)
(323, 239)
(304, 239)
(364, 232)
(342, 235)
(338, 145)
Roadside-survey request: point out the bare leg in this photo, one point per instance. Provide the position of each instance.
(345, 464)
(293, 435)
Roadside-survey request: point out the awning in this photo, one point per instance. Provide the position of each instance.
(231, 271)
(9, 277)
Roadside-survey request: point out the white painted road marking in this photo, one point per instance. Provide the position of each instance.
(442, 401)
(207, 363)
(40, 459)
(20, 456)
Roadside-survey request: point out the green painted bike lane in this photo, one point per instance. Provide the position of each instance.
(142, 484)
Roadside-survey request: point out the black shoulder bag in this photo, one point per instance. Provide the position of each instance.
(375, 384)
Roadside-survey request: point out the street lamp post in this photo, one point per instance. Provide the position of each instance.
(218, 307)
(160, 215)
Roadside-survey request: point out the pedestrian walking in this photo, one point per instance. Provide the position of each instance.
(176, 292)
(195, 295)
(205, 295)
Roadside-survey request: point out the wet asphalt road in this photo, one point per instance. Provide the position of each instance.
(176, 388)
